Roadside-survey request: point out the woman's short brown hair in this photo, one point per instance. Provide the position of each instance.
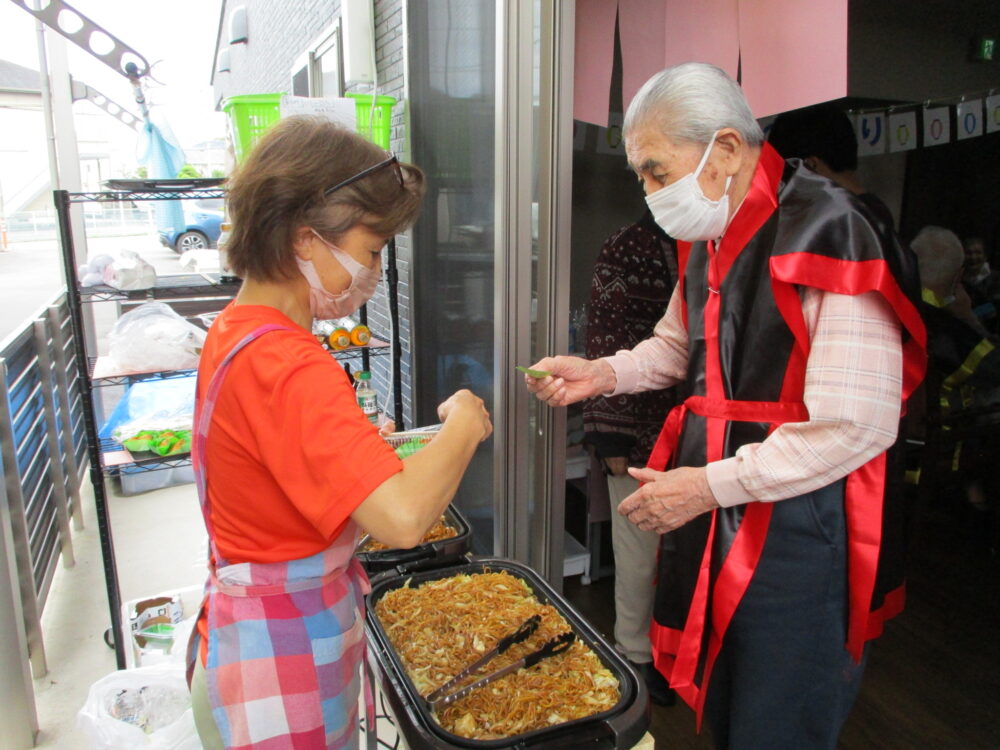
(280, 188)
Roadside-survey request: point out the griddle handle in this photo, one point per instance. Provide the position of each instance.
(423, 552)
(598, 737)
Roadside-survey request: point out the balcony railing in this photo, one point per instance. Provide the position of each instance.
(43, 455)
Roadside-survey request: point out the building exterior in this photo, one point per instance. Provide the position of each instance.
(24, 174)
(208, 157)
(301, 53)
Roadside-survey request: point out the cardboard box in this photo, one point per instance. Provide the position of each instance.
(151, 624)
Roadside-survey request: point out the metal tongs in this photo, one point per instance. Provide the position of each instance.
(554, 646)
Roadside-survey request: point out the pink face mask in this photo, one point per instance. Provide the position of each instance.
(324, 304)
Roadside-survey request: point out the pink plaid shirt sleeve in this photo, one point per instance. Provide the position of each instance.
(853, 385)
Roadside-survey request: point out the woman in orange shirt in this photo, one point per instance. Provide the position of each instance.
(288, 467)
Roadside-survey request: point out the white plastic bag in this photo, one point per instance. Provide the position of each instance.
(146, 707)
(92, 273)
(129, 271)
(153, 337)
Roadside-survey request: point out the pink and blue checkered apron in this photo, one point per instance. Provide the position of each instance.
(285, 639)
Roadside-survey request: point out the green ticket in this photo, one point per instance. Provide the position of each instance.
(533, 373)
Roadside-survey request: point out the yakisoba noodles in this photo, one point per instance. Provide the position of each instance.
(442, 626)
(440, 530)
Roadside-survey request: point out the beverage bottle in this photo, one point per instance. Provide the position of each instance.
(360, 334)
(338, 339)
(321, 330)
(225, 272)
(367, 397)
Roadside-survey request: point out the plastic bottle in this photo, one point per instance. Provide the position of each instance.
(360, 334)
(367, 397)
(321, 330)
(339, 339)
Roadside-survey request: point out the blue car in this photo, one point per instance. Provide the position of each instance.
(202, 227)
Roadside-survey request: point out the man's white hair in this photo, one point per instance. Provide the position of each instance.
(939, 255)
(689, 102)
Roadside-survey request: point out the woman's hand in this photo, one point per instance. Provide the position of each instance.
(573, 379)
(466, 406)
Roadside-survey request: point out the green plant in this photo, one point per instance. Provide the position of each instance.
(188, 172)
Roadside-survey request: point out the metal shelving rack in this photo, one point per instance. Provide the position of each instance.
(187, 286)
(106, 458)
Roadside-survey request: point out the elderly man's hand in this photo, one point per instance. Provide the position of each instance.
(571, 379)
(668, 499)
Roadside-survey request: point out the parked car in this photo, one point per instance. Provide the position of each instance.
(202, 226)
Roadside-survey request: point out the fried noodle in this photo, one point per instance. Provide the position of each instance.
(442, 626)
(440, 530)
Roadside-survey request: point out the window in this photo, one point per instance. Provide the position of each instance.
(326, 61)
(317, 72)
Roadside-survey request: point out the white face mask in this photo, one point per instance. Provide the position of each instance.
(326, 305)
(682, 210)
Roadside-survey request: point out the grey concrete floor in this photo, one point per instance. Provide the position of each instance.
(160, 545)
(159, 537)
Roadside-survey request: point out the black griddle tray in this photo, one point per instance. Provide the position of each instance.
(437, 554)
(619, 727)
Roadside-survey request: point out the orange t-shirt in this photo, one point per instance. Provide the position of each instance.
(290, 454)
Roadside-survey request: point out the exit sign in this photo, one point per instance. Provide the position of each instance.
(985, 48)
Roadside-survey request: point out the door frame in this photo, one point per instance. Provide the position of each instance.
(534, 159)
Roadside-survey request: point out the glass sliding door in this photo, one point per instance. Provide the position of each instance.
(451, 79)
(491, 123)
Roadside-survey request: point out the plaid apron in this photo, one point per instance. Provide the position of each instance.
(285, 639)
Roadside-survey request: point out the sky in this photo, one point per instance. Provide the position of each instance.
(177, 37)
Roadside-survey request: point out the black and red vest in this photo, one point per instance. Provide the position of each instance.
(747, 350)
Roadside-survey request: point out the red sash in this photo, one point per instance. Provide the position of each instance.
(677, 653)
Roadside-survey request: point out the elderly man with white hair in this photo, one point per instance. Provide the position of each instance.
(795, 330)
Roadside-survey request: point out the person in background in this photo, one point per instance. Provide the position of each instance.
(981, 282)
(799, 340)
(634, 275)
(964, 357)
(823, 137)
(288, 468)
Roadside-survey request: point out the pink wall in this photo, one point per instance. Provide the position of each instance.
(794, 52)
(595, 49)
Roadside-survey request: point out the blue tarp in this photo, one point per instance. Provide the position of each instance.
(163, 158)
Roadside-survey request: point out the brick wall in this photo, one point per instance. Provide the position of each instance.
(278, 34)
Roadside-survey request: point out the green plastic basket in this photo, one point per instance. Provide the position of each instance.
(250, 116)
(374, 124)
